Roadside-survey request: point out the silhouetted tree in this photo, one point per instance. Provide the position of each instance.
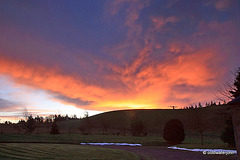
(230, 89)
(30, 124)
(86, 115)
(235, 91)
(196, 106)
(104, 124)
(85, 126)
(227, 135)
(173, 131)
(55, 129)
(207, 104)
(137, 127)
(25, 113)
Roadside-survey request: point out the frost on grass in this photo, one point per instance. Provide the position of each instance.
(205, 150)
(111, 144)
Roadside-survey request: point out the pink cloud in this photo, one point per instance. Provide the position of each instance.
(161, 21)
(222, 5)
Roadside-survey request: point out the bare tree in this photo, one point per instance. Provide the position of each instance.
(86, 115)
(25, 113)
(231, 88)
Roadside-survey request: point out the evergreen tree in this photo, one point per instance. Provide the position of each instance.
(235, 91)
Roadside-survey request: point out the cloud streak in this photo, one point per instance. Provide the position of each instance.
(6, 105)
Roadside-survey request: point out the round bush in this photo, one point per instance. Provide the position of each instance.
(173, 131)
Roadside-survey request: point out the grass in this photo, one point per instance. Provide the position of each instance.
(61, 151)
(190, 141)
(208, 143)
(77, 139)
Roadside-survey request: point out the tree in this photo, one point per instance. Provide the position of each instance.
(86, 115)
(55, 129)
(230, 89)
(25, 113)
(173, 131)
(137, 127)
(30, 124)
(104, 124)
(235, 91)
(227, 135)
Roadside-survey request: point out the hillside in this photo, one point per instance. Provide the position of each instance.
(210, 118)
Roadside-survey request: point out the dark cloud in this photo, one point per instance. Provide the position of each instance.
(75, 101)
(7, 105)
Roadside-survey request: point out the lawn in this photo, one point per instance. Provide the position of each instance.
(77, 139)
(154, 140)
(61, 151)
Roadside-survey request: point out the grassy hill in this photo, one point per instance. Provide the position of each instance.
(211, 119)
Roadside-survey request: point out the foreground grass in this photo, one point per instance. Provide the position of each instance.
(61, 151)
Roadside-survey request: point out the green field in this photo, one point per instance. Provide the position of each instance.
(61, 151)
(78, 138)
(189, 142)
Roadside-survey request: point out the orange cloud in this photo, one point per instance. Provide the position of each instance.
(149, 83)
(49, 79)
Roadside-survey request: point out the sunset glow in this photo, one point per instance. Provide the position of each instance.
(99, 56)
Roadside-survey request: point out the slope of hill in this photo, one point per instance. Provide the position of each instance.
(209, 119)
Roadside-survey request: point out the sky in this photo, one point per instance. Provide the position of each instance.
(72, 57)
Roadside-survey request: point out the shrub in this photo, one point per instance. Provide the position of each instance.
(227, 135)
(55, 129)
(173, 131)
(137, 128)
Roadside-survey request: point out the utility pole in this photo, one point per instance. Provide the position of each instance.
(173, 107)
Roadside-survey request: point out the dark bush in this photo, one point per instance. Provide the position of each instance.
(173, 131)
(137, 128)
(227, 135)
(55, 129)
